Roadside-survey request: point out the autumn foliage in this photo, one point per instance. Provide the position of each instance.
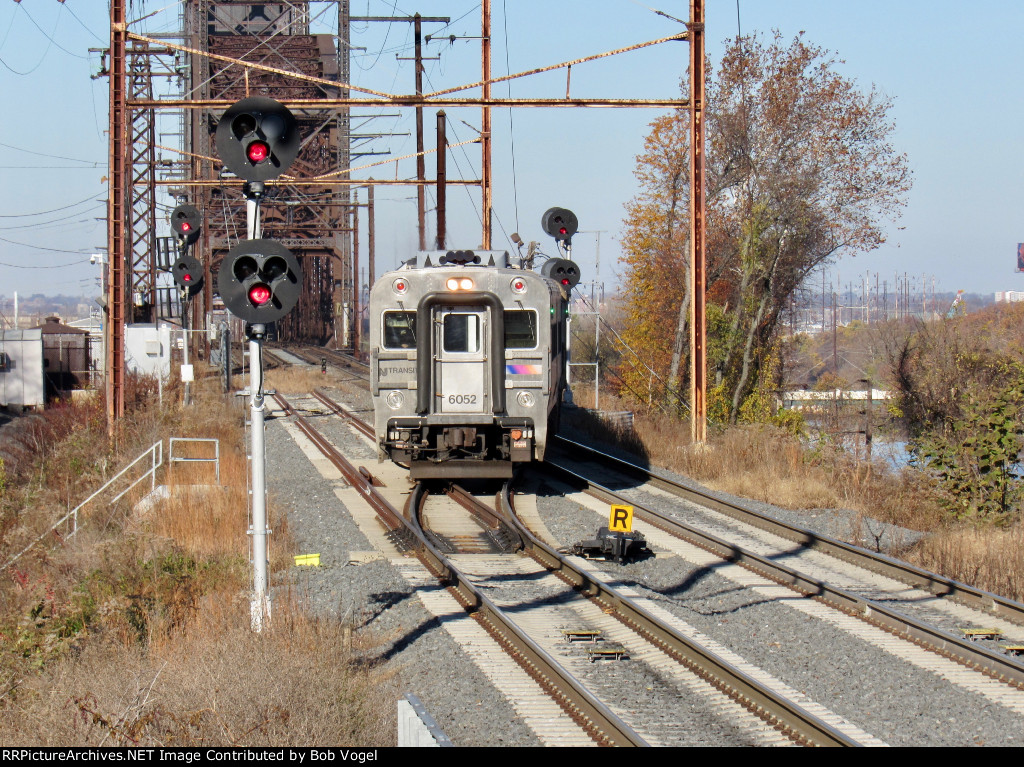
(800, 169)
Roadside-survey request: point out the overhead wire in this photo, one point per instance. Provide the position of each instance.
(387, 33)
(36, 266)
(639, 360)
(52, 210)
(38, 247)
(82, 23)
(38, 63)
(55, 25)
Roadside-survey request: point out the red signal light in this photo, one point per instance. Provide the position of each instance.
(259, 294)
(258, 151)
(565, 281)
(186, 278)
(562, 230)
(186, 226)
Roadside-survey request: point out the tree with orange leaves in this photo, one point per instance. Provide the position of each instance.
(800, 169)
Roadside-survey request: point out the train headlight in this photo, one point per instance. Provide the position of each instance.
(526, 399)
(459, 283)
(400, 286)
(395, 399)
(518, 285)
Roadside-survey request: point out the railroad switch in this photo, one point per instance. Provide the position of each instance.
(612, 545)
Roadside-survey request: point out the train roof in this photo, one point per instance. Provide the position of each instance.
(431, 259)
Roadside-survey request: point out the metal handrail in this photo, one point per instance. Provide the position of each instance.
(156, 453)
(172, 458)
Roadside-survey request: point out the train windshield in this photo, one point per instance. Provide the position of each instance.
(462, 332)
(399, 330)
(521, 329)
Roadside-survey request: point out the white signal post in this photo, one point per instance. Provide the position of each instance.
(259, 608)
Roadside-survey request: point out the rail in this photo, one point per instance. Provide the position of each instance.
(734, 681)
(904, 572)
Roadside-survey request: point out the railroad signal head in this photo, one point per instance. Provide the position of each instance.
(186, 223)
(258, 138)
(259, 281)
(188, 273)
(560, 223)
(563, 271)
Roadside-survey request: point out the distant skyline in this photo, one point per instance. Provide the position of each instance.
(950, 70)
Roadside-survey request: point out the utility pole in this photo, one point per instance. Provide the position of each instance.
(698, 349)
(485, 135)
(356, 320)
(421, 166)
(442, 178)
(371, 237)
(117, 187)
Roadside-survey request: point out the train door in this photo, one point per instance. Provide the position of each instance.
(461, 379)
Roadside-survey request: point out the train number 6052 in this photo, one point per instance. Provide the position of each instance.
(461, 399)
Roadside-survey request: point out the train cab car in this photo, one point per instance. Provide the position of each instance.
(467, 363)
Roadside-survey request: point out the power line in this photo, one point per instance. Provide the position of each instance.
(52, 210)
(54, 266)
(38, 247)
(48, 37)
(43, 154)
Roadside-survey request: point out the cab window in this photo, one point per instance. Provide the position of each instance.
(521, 329)
(399, 330)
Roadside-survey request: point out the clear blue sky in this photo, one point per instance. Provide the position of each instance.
(952, 70)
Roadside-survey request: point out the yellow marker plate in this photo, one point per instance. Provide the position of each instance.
(620, 519)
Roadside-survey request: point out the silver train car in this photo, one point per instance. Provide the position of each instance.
(467, 362)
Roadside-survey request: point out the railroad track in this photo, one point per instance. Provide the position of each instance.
(816, 585)
(587, 712)
(456, 551)
(346, 362)
(935, 611)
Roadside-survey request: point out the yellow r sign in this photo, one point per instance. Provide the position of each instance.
(620, 520)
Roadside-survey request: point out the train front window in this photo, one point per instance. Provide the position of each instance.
(520, 329)
(462, 333)
(399, 330)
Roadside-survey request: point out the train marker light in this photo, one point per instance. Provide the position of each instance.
(518, 285)
(258, 138)
(259, 281)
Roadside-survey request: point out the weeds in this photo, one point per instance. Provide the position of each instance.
(138, 633)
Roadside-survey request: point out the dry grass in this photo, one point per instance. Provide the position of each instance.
(295, 379)
(769, 464)
(986, 557)
(139, 633)
(215, 683)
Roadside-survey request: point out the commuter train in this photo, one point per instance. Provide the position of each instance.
(468, 359)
